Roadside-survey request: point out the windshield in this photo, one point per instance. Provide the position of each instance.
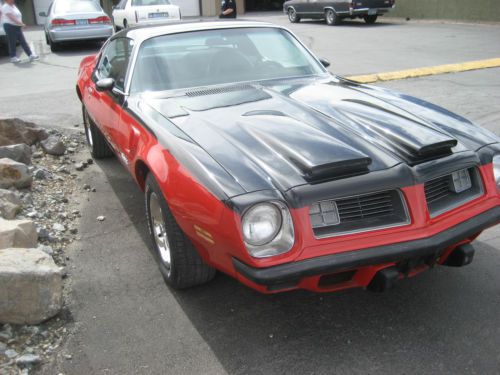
(140, 3)
(220, 56)
(76, 6)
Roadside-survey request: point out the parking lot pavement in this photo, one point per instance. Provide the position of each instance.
(44, 91)
(128, 322)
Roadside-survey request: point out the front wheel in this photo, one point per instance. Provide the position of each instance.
(331, 17)
(180, 264)
(292, 16)
(96, 142)
(370, 20)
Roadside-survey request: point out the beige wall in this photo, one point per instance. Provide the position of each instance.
(469, 10)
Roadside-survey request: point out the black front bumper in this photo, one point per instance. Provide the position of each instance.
(290, 273)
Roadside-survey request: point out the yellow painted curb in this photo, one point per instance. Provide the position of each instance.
(428, 71)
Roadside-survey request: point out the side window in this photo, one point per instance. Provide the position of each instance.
(114, 61)
(122, 4)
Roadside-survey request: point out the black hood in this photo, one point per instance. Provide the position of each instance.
(282, 135)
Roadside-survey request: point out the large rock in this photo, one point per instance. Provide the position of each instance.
(14, 131)
(53, 145)
(31, 289)
(20, 152)
(13, 173)
(10, 204)
(17, 233)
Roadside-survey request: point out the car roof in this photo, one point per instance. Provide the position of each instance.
(147, 31)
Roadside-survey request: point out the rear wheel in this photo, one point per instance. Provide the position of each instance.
(292, 16)
(331, 17)
(179, 262)
(96, 142)
(54, 46)
(370, 20)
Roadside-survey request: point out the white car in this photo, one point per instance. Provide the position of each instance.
(132, 12)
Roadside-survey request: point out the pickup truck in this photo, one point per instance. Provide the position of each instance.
(333, 11)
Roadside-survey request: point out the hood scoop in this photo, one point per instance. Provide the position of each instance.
(409, 138)
(317, 156)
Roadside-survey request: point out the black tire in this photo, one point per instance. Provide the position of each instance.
(96, 142)
(54, 47)
(292, 15)
(186, 268)
(331, 17)
(370, 20)
(47, 39)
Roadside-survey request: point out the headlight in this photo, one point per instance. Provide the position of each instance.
(496, 169)
(261, 224)
(267, 229)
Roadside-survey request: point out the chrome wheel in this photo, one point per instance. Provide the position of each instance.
(159, 230)
(330, 17)
(292, 15)
(88, 132)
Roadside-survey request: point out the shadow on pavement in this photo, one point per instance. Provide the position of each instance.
(444, 321)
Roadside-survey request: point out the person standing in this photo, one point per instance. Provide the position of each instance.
(12, 24)
(228, 9)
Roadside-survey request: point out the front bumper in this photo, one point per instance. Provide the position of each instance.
(290, 274)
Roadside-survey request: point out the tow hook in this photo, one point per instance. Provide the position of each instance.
(384, 280)
(461, 256)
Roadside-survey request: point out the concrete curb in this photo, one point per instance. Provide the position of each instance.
(427, 71)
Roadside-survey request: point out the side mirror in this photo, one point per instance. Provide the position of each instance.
(105, 84)
(43, 14)
(324, 62)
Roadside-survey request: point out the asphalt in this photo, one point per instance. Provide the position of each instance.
(127, 321)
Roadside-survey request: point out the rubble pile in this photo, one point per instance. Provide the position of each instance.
(38, 219)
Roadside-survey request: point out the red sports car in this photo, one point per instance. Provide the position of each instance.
(258, 162)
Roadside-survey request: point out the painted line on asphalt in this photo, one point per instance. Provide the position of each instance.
(427, 71)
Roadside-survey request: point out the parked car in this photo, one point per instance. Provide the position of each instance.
(257, 162)
(334, 11)
(132, 12)
(75, 20)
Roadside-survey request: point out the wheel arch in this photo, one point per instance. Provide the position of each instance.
(141, 171)
(330, 7)
(79, 93)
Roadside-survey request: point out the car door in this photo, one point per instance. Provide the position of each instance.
(107, 109)
(302, 6)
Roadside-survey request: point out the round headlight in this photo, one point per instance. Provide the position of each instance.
(261, 224)
(496, 169)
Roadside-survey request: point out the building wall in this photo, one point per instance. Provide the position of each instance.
(468, 10)
(27, 10)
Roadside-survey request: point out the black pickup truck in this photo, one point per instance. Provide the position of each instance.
(333, 11)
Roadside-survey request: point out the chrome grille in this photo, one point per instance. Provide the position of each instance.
(441, 195)
(358, 213)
